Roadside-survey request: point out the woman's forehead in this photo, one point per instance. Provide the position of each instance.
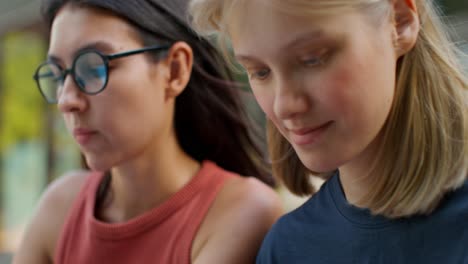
(91, 22)
(75, 28)
(280, 29)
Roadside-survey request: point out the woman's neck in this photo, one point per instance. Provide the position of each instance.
(355, 176)
(146, 181)
(355, 185)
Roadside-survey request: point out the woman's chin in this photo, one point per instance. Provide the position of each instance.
(319, 166)
(97, 165)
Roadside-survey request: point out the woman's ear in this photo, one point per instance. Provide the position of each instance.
(179, 60)
(406, 23)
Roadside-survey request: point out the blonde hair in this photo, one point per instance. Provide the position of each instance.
(424, 151)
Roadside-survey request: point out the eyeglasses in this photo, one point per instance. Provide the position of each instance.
(90, 72)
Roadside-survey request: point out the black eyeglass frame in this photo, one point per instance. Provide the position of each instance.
(106, 59)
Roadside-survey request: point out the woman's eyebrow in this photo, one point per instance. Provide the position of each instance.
(315, 35)
(102, 46)
(303, 38)
(97, 45)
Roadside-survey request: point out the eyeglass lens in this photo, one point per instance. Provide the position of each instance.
(89, 71)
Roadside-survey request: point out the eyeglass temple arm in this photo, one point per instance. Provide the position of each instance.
(132, 52)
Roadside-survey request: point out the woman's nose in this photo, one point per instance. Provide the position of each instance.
(69, 96)
(290, 99)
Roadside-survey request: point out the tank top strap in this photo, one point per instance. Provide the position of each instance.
(214, 178)
(93, 179)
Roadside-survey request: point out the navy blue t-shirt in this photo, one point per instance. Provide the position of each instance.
(327, 229)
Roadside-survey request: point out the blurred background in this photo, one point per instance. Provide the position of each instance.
(34, 145)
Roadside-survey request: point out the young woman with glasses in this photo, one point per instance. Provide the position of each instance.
(158, 119)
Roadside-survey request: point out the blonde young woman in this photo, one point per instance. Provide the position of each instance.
(368, 95)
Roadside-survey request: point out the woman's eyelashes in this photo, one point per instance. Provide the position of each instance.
(316, 60)
(258, 74)
(312, 61)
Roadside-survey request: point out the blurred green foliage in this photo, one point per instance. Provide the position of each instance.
(22, 107)
(454, 6)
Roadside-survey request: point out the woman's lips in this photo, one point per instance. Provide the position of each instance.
(82, 135)
(307, 136)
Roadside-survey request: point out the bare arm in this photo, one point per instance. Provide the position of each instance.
(241, 217)
(39, 240)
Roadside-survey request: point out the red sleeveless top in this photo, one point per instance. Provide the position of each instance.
(163, 235)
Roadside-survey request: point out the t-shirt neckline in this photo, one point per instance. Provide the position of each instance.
(358, 216)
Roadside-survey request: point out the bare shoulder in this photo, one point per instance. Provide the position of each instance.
(61, 193)
(243, 212)
(250, 193)
(243, 199)
(39, 241)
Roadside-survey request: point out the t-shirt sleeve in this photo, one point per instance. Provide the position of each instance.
(268, 253)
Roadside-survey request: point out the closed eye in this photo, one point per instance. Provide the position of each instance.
(315, 61)
(51, 75)
(97, 71)
(260, 74)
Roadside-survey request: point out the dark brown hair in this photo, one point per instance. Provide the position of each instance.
(210, 121)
